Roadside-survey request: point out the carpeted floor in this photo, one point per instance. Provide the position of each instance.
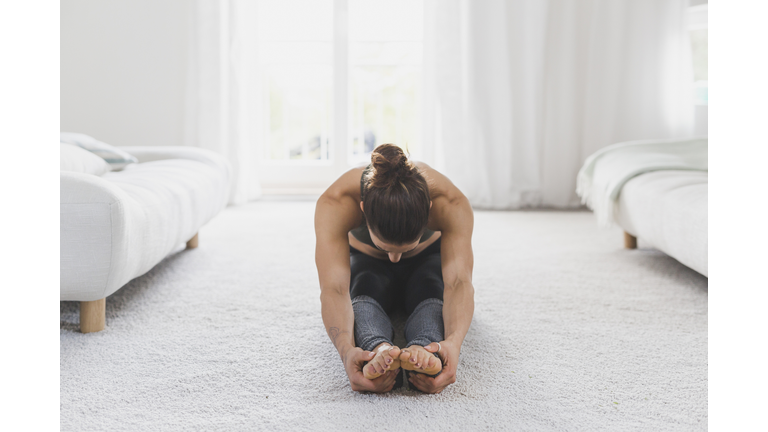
(571, 332)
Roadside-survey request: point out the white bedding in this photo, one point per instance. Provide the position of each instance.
(604, 173)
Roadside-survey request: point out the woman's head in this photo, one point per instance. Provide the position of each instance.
(396, 197)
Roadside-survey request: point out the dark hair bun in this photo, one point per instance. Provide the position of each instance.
(389, 165)
(396, 198)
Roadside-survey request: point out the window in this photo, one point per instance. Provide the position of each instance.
(296, 63)
(338, 78)
(696, 21)
(698, 32)
(385, 75)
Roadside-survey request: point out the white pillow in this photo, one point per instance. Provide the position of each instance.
(73, 158)
(115, 157)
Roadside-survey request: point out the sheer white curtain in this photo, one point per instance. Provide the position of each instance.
(518, 93)
(222, 94)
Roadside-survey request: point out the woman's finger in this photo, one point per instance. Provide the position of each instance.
(415, 383)
(386, 377)
(423, 385)
(365, 355)
(384, 382)
(362, 384)
(435, 383)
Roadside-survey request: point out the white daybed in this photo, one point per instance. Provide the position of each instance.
(655, 190)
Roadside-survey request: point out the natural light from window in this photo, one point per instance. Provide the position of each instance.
(385, 61)
(698, 32)
(303, 43)
(296, 59)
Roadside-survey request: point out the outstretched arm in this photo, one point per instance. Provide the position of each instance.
(455, 219)
(333, 219)
(457, 263)
(332, 260)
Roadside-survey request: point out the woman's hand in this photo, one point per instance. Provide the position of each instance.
(449, 354)
(354, 360)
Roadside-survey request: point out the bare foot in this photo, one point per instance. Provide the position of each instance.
(416, 358)
(386, 359)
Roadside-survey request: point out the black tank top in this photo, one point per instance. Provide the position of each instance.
(361, 233)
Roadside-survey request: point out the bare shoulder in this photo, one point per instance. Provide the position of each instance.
(441, 189)
(338, 209)
(348, 185)
(451, 211)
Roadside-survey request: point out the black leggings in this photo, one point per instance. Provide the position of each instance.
(379, 287)
(405, 283)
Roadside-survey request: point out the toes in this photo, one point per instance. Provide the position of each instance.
(428, 360)
(369, 372)
(381, 367)
(387, 359)
(375, 368)
(411, 355)
(417, 358)
(423, 359)
(394, 352)
(378, 363)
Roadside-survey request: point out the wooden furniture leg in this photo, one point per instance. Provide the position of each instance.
(92, 315)
(192, 243)
(630, 241)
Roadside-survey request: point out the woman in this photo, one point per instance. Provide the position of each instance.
(395, 234)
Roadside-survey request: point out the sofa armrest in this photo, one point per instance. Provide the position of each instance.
(93, 231)
(79, 188)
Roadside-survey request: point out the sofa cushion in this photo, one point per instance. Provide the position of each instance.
(668, 209)
(73, 158)
(114, 156)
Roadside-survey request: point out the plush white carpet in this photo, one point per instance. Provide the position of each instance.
(571, 332)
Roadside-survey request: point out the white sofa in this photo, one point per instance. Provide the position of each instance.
(668, 209)
(118, 225)
(655, 190)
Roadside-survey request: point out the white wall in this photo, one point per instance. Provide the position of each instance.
(123, 69)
